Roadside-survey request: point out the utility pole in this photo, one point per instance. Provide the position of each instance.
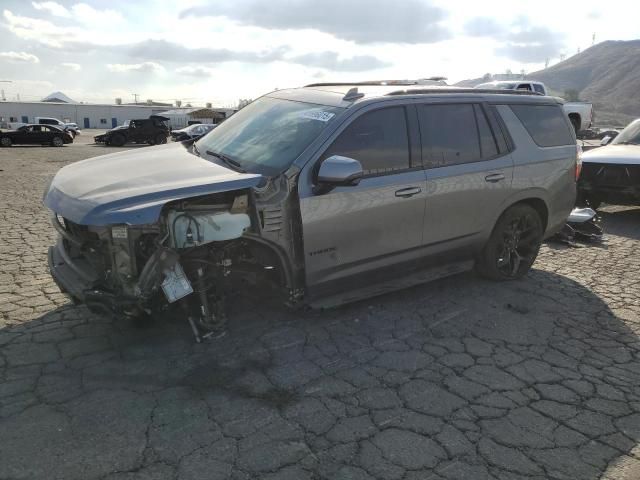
(135, 97)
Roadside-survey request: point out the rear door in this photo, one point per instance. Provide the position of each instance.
(46, 133)
(355, 229)
(469, 171)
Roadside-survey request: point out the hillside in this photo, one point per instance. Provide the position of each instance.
(607, 74)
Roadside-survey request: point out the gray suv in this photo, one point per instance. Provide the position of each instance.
(328, 194)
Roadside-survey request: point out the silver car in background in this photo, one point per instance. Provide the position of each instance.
(328, 193)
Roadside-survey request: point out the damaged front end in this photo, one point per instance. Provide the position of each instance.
(192, 257)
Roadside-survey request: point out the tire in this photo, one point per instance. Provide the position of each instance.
(117, 140)
(159, 139)
(513, 245)
(5, 142)
(57, 142)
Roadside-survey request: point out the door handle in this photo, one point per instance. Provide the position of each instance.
(494, 177)
(408, 192)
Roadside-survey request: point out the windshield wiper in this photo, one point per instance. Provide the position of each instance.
(627, 143)
(232, 163)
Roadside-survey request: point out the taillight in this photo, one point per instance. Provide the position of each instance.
(578, 161)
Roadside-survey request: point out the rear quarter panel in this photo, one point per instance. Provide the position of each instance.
(547, 173)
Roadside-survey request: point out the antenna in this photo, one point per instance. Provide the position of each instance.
(135, 97)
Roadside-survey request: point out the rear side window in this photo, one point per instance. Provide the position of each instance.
(449, 135)
(378, 140)
(458, 133)
(545, 123)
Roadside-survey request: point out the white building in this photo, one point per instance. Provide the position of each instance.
(181, 117)
(86, 115)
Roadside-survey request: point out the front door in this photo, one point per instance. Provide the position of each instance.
(469, 171)
(353, 229)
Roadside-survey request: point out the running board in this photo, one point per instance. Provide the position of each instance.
(392, 285)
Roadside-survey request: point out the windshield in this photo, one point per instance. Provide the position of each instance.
(267, 135)
(631, 134)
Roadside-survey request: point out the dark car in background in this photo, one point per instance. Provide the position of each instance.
(611, 174)
(152, 131)
(46, 135)
(192, 131)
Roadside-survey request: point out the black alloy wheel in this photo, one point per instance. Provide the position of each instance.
(513, 245)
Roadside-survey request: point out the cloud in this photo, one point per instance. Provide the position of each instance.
(42, 31)
(360, 21)
(162, 50)
(520, 41)
(19, 57)
(53, 8)
(331, 61)
(483, 27)
(194, 71)
(87, 14)
(145, 67)
(76, 67)
(532, 45)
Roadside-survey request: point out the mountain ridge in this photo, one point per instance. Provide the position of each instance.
(606, 74)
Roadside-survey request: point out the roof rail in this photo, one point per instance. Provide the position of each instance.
(376, 82)
(421, 91)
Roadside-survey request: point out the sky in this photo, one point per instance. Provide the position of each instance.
(221, 51)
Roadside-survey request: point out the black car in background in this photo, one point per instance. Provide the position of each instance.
(152, 130)
(192, 131)
(36, 135)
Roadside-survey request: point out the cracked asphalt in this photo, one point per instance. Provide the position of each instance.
(457, 379)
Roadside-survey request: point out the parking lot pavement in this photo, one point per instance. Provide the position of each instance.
(457, 379)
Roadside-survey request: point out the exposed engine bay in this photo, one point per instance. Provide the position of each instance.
(193, 258)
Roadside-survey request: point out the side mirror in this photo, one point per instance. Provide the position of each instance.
(339, 171)
(605, 141)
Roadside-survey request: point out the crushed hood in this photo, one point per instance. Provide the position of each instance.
(615, 154)
(131, 187)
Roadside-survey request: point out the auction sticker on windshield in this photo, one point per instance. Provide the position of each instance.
(318, 115)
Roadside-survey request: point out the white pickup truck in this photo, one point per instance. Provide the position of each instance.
(580, 113)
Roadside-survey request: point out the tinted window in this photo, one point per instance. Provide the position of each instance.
(488, 145)
(449, 135)
(545, 123)
(378, 140)
(538, 88)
